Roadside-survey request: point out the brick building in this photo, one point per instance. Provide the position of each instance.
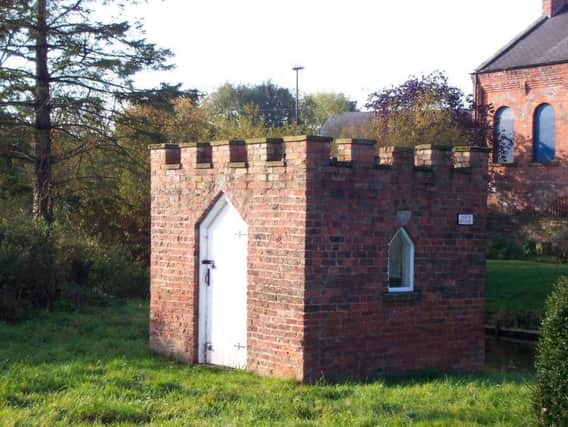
(270, 255)
(527, 83)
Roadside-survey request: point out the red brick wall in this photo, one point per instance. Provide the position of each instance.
(318, 238)
(526, 185)
(549, 7)
(271, 199)
(354, 327)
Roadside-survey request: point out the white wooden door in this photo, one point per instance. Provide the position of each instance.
(223, 272)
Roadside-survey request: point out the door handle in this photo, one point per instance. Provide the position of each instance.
(208, 276)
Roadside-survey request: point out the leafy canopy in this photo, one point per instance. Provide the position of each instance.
(426, 110)
(266, 104)
(318, 107)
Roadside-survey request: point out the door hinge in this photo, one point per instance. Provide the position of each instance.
(239, 346)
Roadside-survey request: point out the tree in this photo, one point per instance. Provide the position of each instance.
(13, 172)
(115, 200)
(64, 73)
(317, 108)
(427, 110)
(265, 104)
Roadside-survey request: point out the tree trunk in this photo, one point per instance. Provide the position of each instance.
(41, 137)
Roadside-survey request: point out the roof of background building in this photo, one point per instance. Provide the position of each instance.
(544, 42)
(348, 125)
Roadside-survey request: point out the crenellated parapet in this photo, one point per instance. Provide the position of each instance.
(318, 151)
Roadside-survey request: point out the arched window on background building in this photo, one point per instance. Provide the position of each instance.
(504, 136)
(401, 262)
(544, 134)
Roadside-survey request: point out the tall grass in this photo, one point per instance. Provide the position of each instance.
(93, 367)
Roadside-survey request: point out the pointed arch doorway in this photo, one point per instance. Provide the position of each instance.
(223, 253)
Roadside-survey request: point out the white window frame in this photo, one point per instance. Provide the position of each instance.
(409, 258)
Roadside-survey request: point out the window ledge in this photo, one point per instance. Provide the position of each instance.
(549, 163)
(238, 165)
(173, 166)
(397, 296)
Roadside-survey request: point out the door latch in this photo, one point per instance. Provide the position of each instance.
(208, 276)
(239, 346)
(208, 346)
(210, 264)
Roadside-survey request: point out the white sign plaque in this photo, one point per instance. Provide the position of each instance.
(465, 219)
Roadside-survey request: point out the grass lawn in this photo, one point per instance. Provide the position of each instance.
(520, 286)
(94, 367)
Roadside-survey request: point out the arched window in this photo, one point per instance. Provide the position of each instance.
(504, 136)
(401, 262)
(544, 134)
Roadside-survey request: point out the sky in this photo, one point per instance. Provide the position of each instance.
(354, 47)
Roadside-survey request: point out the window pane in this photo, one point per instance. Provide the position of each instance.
(504, 135)
(544, 134)
(405, 264)
(395, 262)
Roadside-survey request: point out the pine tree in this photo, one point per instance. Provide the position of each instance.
(64, 73)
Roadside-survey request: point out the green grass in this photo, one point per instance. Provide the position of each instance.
(94, 368)
(520, 286)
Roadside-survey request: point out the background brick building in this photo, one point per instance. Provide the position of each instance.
(527, 83)
(355, 266)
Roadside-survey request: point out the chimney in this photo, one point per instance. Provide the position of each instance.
(552, 7)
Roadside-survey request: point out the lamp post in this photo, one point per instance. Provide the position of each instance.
(297, 69)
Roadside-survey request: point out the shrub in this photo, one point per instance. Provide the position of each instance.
(551, 393)
(114, 272)
(502, 248)
(28, 277)
(60, 265)
(530, 248)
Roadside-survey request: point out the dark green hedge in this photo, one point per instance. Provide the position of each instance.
(48, 266)
(551, 394)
